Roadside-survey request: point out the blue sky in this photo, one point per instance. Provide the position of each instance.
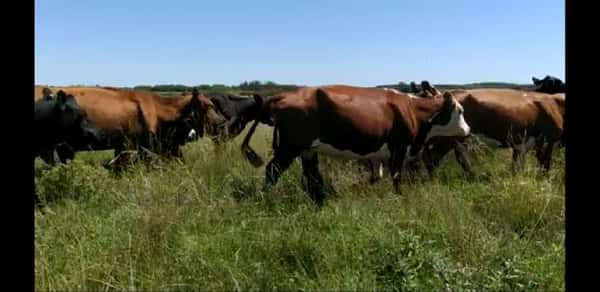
(363, 43)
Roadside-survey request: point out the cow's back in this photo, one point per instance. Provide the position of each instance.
(354, 118)
(501, 114)
(114, 111)
(366, 110)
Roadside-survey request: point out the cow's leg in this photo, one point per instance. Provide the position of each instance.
(546, 157)
(154, 144)
(539, 148)
(49, 157)
(65, 153)
(176, 152)
(516, 158)
(375, 169)
(116, 163)
(310, 168)
(276, 167)
(395, 164)
(462, 156)
(520, 153)
(433, 155)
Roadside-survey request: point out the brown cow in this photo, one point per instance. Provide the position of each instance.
(517, 119)
(147, 120)
(350, 122)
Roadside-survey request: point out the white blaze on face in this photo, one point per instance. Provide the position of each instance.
(192, 134)
(456, 127)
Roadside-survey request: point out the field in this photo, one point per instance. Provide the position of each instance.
(205, 224)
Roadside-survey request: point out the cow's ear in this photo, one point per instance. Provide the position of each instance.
(535, 80)
(425, 86)
(448, 99)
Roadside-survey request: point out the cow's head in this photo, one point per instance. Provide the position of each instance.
(199, 116)
(549, 85)
(449, 120)
(46, 93)
(72, 121)
(446, 119)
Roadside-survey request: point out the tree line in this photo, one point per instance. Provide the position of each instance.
(405, 87)
(270, 87)
(246, 87)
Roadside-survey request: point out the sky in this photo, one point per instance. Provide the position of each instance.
(303, 42)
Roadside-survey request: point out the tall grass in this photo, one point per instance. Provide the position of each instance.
(205, 224)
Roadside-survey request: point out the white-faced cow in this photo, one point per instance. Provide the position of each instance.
(350, 122)
(517, 119)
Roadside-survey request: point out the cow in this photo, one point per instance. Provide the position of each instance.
(375, 167)
(133, 119)
(350, 122)
(549, 84)
(62, 120)
(425, 90)
(516, 119)
(238, 111)
(428, 91)
(46, 94)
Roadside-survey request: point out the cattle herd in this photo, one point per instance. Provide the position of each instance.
(377, 126)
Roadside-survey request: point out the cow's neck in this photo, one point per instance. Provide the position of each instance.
(171, 106)
(425, 108)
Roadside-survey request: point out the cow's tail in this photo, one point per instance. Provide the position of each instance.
(247, 151)
(264, 116)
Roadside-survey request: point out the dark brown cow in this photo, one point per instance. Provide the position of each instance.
(350, 122)
(517, 119)
(147, 120)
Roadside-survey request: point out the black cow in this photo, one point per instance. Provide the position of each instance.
(549, 85)
(238, 111)
(61, 120)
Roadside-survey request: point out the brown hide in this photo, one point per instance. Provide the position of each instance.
(506, 114)
(348, 118)
(116, 110)
(133, 114)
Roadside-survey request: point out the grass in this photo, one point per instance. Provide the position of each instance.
(205, 224)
